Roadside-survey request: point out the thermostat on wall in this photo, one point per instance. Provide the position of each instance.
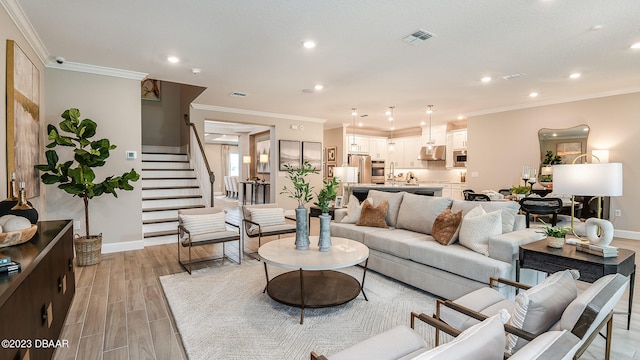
(130, 155)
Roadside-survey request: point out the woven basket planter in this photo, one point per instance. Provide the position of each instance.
(555, 242)
(88, 249)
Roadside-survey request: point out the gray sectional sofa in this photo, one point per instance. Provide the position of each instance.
(406, 251)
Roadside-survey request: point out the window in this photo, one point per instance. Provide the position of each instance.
(234, 161)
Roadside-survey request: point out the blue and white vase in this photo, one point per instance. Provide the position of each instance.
(324, 241)
(302, 228)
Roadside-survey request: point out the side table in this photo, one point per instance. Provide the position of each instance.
(538, 256)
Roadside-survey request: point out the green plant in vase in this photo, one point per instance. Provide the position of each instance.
(301, 192)
(327, 195)
(520, 190)
(555, 234)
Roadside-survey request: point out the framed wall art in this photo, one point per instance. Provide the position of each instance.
(263, 147)
(312, 152)
(568, 151)
(150, 89)
(289, 154)
(23, 118)
(331, 154)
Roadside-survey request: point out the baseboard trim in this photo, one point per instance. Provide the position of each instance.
(626, 234)
(122, 246)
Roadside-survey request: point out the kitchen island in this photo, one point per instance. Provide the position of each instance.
(361, 191)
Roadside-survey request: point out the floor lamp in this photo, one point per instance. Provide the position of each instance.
(246, 159)
(348, 175)
(599, 179)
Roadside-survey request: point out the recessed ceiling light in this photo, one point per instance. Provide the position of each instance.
(554, 134)
(392, 128)
(309, 44)
(533, 94)
(635, 46)
(196, 71)
(173, 59)
(460, 117)
(575, 75)
(486, 79)
(596, 27)
(423, 123)
(388, 112)
(318, 87)
(360, 124)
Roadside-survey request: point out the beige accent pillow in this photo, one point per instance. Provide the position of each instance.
(509, 210)
(446, 227)
(374, 216)
(477, 227)
(354, 209)
(418, 212)
(394, 200)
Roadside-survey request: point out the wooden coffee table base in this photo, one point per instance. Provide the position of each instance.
(314, 289)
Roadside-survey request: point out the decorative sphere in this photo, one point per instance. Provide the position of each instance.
(17, 224)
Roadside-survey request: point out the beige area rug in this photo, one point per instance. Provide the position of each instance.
(221, 313)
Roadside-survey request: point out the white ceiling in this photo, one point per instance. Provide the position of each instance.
(254, 46)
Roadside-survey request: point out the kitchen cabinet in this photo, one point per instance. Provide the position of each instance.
(459, 139)
(362, 145)
(438, 135)
(411, 149)
(396, 156)
(378, 148)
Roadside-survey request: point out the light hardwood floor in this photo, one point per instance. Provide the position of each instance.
(120, 312)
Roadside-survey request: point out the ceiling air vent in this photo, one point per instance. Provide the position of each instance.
(513, 76)
(418, 36)
(238, 94)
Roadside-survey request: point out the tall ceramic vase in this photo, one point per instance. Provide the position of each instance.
(324, 242)
(302, 228)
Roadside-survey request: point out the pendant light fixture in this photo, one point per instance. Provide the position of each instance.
(430, 143)
(391, 143)
(354, 146)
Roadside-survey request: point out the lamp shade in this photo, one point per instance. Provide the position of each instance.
(264, 158)
(602, 179)
(246, 159)
(346, 174)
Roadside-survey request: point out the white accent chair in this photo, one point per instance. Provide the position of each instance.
(227, 186)
(234, 186)
(584, 316)
(203, 227)
(254, 229)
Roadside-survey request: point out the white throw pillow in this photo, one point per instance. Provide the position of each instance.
(204, 223)
(484, 341)
(509, 210)
(267, 216)
(354, 209)
(538, 308)
(477, 227)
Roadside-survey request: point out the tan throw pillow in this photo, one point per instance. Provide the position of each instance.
(446, 227)
(374, 216)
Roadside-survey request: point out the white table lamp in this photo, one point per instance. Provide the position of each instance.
(346, 174)
(264, 159)
(601, 179)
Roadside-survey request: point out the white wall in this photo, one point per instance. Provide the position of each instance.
(114, 104)
(499, 144)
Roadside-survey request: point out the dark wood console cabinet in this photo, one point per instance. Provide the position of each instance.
(34, 302)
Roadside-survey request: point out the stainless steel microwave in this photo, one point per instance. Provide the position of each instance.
(460, 158)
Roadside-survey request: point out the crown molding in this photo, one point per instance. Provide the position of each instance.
(98, 70)
(21, 20)
(256, 113)
(24, 25)
(555, 102)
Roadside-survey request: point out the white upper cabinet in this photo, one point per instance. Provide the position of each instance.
(378, 148)
(438, 135)
(362, 145)
(459, 139)
(411, 151)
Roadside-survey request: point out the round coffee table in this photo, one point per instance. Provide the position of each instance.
(314, 284)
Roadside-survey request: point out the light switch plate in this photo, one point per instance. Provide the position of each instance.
(130, 155)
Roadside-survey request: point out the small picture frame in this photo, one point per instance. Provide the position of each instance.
(339, 203)
(331, 153)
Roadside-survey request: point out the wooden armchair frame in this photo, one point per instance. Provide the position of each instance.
(579, 329)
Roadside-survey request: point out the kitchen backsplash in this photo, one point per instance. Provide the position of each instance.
(436, 172)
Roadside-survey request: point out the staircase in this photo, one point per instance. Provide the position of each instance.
(168, 184)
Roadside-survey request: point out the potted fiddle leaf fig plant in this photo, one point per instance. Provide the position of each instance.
(301, 192)
(325, 196)
(76, 176)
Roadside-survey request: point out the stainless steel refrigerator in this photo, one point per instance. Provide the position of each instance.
(363, 163)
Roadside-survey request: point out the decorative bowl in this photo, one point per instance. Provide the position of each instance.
(17, 237)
